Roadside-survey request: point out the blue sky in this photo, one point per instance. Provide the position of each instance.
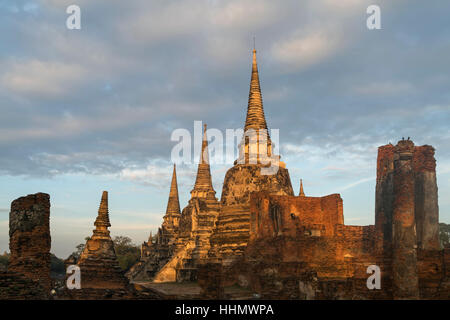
(88, 110)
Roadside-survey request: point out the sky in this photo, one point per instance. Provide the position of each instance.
(82, 111)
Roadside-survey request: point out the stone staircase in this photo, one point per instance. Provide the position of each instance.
(168, 273)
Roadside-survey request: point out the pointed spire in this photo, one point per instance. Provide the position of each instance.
(173, 205)
(203, 182)
(255, 111)
(150, 239)
(302, 193)
(102, 222)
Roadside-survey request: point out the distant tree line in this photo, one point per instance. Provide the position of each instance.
(57, 265)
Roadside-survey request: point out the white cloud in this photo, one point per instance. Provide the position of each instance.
(304, 50)
(41, 78)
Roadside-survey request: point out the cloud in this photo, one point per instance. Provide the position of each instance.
(302, 51)
(354, 184)
(41, 79)
(384, 88)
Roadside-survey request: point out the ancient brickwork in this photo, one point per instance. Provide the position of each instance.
(273, 215)
(426, 202)
(426, 209)
(384, 194)
(232, 229)
(98, 261)
(404, 239)
(15, 286)
(260, 236)
(182, 246)
(197, 221)
(156, 254)
(299, 247)
(30, 241)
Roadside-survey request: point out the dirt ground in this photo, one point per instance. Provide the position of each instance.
(191, 290)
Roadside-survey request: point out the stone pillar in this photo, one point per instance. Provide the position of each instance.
(384, 197)
(426, 198)
(29, 238)
(404, 240)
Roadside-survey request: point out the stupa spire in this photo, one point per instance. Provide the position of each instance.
(173, 205)
(302, 193)
(203, 182)
(102, 222)
(255, 111)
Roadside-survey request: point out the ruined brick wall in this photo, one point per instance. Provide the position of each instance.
(299, 248)
(15, 286)
(293, 216)
(29, 231)
(311, 267)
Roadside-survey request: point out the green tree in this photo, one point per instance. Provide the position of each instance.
(79, 248)
(127, 253)
(444, 234)
(4, 259)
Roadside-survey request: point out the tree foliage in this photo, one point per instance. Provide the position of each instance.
(79, 249)
(4, 259)
(127, 253)
(444, 234)
(57, 265)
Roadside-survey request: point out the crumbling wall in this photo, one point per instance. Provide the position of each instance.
(30, 241)
(291, 216)
(299, 248)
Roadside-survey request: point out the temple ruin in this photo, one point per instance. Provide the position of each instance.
(262, 237)
(258, 236)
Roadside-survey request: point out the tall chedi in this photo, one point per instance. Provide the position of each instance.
(156, 254)
(256, 169)
(198, 218)
(195, 227)
(98, 262)
(169, 227)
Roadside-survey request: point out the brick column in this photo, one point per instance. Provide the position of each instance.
(404, 240)
(29, 237)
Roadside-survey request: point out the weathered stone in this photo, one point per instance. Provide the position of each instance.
(98, 262)
(299, 247)
(404, 239)
(183, 241)
(262, 238)
(29, 231)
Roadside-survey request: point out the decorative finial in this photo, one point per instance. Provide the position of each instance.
(302, 193)
(102, 222)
